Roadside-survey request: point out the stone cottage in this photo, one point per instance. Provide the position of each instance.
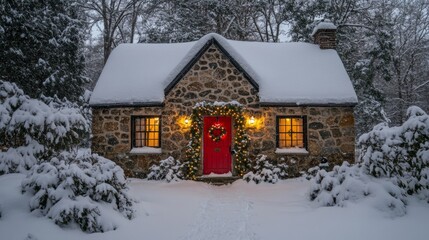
(216, 104)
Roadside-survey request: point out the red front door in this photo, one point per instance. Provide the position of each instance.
(217, 144)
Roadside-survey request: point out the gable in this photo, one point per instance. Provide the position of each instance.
(212, 77)
(193, 61)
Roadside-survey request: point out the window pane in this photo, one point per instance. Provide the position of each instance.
(288, 129)
(294, 128)
(290, 132)
(296, 121)
(282, 139)
(138, 143)
(146, 132)
(151, 135)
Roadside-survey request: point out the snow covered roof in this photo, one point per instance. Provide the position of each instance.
(285, 73)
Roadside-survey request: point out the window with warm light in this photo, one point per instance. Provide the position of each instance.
(291, 132)
(146, 131)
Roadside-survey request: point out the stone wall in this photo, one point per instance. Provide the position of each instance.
(330, 134)
(214, 78)
(111, 130)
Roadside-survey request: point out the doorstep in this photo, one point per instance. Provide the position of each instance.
(218, 181)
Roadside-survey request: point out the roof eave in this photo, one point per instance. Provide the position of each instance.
(130, 104)
(295, 104)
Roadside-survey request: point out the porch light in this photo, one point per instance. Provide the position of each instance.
(184, 122)
(252, 120)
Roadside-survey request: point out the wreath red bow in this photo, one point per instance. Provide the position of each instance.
(216, 132)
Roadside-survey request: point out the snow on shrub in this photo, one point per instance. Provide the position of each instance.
(77, 189)
(393, 163)
(266, 171)
(31, 129)
(401, 153)
(168, 169)
(351, 183)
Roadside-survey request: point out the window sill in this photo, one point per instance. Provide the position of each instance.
(291, 151)
(145, 150)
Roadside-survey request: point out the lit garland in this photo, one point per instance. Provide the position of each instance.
(216, 132)
(241, 140)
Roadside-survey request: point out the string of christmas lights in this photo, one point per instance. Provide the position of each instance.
(241, 139)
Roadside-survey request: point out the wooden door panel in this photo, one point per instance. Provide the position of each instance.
(217, 154)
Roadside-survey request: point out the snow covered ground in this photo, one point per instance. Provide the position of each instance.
(192, 210)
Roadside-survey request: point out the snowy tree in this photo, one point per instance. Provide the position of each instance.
(178, 21)
(389, 41)
(409, 54)
(117, 20)
(401, 152)
(32, 130)
(41, 45)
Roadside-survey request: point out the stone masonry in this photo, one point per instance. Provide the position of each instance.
(214, 78)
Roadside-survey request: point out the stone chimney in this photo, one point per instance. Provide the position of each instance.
(324, 34)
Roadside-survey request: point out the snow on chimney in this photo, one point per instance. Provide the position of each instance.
(324, 34)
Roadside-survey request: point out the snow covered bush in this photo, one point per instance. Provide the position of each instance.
(401, 152)
(393, 163)
(78, 189)
(351, 183)
(265, 170)
(168, 169)
(32, 129)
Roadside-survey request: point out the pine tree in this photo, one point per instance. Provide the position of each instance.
(40, 47)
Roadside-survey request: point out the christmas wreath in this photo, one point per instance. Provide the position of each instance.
(216, 132)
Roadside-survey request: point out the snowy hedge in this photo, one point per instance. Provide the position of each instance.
(78, 189)
(401, 153)
(32, 129)
(168, 169)
(265, 170)
(351, 183)
(393, 163)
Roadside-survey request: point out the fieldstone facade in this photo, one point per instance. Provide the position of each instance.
(330, 130)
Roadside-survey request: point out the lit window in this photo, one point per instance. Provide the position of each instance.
(146, 132)
(291, 132)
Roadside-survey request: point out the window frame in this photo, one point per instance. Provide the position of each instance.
(133, 132)
(304, 130)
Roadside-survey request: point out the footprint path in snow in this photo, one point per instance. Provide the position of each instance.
(223, 217)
